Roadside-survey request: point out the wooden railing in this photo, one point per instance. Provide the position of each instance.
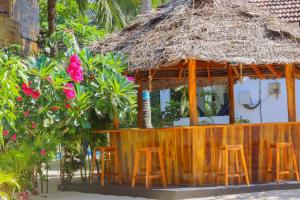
(191, 153)
(10, 32)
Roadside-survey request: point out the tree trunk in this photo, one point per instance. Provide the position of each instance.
(51, 22)
(146, 6)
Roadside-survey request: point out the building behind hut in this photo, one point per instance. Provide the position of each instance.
(19, 22)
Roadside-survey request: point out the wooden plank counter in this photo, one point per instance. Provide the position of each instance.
(191, 153)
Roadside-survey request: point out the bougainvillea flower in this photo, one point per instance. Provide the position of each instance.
(130, 79)
(35, 94)
(43, 152)
(69, 91)
(19, 98)
(26, 113)
(33, 125)
(76, 59)
(5, 133)
(14, 137)
(26, 89)
(74, 69)
(68, 105)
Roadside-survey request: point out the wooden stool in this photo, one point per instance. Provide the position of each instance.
(236, 149)
(106, 151)
(148, 176)
(285, 147)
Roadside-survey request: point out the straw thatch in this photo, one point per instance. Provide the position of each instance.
(231, 31)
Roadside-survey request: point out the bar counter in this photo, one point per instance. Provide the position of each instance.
(191, 153)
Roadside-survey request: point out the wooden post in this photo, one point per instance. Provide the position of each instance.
(291, 93)
(231, 94)
(140, 102)
(192, 84)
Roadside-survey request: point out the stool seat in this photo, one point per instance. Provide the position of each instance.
(287, 148)
(236, 150)
(148, 176)
(106, 151)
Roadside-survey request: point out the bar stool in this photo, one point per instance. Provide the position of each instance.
(285, 147)
(149, 176)
(236, 150)
(106, 151)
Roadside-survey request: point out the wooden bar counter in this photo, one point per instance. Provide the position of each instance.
(191, 153)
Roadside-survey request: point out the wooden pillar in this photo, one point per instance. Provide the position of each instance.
(231, 94)
(291, 92)
(140, 102)
(192, 84)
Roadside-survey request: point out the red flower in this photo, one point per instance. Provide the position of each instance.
(130, 79)
(14, 137)
(68, 105)
(5, 133)
(26, 113)
(55, 108)
(33, 125)
(26, 89)
(19, 98)
(35, 94)
(74, 69)
(43, 152)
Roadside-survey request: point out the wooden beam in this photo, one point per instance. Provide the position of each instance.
(274, 71)
(291, 92)
(208, 73)
(181, 69)
(231, 94)
(258, 72)
(192, 82)
(140, 101)
(236, 73)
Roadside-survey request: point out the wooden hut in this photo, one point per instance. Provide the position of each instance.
(206, 43)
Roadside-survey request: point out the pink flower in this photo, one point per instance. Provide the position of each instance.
(43, 152)
(130, 79)
(74, 69)
(5, 133)
(76, 59)
(33, 125)
(26, 113)
(35, 94)
(26, 89)
(68, 105)
(69, 91)
(19, 98)
(14, 137)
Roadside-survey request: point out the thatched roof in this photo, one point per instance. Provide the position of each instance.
(232, 31)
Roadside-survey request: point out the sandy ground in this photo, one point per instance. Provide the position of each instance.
(55, 194)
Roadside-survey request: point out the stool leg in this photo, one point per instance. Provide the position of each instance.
(162, 169)
(226, 167)
(286, 160)
(117, 163)
(244, 166)
(102, 167)
(237, 166)
(277, 164)
(135, 168)
(93, 166)
(270, 162)
(295, 164)
(108, 166)
(148, 169)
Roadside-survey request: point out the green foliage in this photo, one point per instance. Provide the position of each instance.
(173, 112)
(8, 185)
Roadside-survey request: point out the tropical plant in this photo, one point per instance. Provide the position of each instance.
(8, 185)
